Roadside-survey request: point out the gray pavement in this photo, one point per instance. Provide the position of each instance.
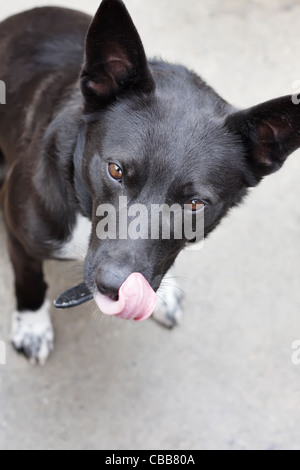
(224, 379)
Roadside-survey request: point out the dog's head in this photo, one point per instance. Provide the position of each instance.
(157, 134)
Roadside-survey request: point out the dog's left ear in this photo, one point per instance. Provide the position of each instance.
(270, 132)
(115, 60)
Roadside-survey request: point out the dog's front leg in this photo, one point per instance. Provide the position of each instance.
(169, 310)
(32, 331)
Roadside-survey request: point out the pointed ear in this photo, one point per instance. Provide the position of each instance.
(115, 60)
(270, 132)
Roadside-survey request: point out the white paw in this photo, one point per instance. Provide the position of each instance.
(33, 335)
(169, 311)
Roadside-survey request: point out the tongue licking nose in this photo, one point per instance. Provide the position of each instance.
(137, 300)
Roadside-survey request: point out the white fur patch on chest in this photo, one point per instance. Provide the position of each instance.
(77, 245)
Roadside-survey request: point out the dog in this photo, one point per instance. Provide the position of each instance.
(87, 120)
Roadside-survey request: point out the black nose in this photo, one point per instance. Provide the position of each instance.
(109, 280)
(108, 289)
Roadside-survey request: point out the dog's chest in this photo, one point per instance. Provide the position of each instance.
(77, 245)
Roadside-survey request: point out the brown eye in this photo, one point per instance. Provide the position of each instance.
(195, 205)
(115, 172)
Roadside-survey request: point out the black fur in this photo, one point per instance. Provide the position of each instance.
(3, 168)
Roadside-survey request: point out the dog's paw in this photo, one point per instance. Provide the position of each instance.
(33, 335)
(169, 310)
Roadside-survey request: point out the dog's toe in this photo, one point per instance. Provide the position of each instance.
(33, 335)
(169, 310)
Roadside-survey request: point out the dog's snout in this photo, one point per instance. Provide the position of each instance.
(108, 289)
(109, 281)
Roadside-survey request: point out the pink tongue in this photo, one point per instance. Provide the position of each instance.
(137, 300)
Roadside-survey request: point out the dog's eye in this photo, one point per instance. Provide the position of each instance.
(195, 205)
(115, 172)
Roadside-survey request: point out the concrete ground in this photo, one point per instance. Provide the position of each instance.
(224, 379)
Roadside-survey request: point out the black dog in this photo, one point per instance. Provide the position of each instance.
(89, 119)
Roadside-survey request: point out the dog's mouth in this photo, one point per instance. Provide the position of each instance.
(136, 301)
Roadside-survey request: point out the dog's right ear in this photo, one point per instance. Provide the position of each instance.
(115, 60)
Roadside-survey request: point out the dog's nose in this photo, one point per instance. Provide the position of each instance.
(109, 281)
(108, 290)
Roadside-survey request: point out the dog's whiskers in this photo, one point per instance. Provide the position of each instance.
(181, 278)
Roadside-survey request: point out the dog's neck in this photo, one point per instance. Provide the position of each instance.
(59, 168)
(82, 194)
